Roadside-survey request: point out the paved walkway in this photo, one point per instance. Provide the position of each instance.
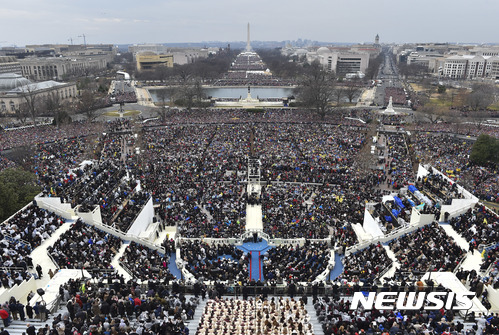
(367, 97)
(143, 96)
(395, 265)
(40, 255)
(255, 250)
(473, 260)
(254, 217)
(116, 262)
(254, 220)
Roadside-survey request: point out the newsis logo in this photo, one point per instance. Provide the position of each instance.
(408, 300)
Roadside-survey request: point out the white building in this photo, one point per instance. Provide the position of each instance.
(340, 62)
(14, 88)
(471, 66)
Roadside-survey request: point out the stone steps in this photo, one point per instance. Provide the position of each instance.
(316, 325)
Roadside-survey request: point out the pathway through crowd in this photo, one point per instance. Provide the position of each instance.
(256, 250)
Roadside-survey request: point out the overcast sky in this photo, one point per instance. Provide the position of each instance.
(152, 21)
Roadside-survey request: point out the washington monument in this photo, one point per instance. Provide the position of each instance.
(248, 45)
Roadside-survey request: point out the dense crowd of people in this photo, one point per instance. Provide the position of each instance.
(19, 137)
(366, 265)
(273, 316)
(427, 249)
(478, 226)
(398, 95)
(6, 163)
(84, 246)
(314, 185)
(33, 225)
(146, 264)
(336, 317)
(217, 262)
(294, 263)
(116, 307)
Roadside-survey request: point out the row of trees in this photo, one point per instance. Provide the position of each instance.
(34, 105)
(209, 68)
(319, 88)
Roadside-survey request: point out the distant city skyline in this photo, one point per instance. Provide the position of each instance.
(131, 22)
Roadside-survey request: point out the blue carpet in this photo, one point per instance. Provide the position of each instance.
(172, 266)
(255, 266)
(256, 272)
(259, 246)
(338, 267)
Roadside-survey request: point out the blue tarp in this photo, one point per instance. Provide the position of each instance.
(412, 188)
(388, 218)
(398, 201)
(395, 212)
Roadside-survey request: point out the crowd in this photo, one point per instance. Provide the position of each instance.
(274, 316)
(196, 177)
(19, 236)
(445, 152)
(398, 95)
(478, 226)
(294, 263)
(427, 249)
(336, 317)
(32, 225)
(482, 181)
(15, 262)
(146, 264)
(46, 133)
(128, 210)
(285, 214)
(440, 190)
(490, 266)
(84, 246)
(467, 129)
(125, 97)
(366, 265)
(6, 163)
(217, 262)
(57, 164)
(119, 307)
(95, 180)
(253, 81)
(398, 165)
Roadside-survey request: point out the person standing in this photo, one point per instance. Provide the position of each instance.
(39, 270)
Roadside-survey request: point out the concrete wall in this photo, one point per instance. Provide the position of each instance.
(143, 220)
(55, 205)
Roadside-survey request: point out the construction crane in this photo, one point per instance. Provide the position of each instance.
(84, 39)
(71, 40)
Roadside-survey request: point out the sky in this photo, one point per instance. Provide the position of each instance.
(25, 22)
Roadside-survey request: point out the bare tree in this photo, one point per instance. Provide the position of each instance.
(353, 89)
(166, 94)
(431, 113)
(482, 96)
(53, 104)
(339, 93)
(89, 104)
(32, 101)
(317, 88)
(22, 113)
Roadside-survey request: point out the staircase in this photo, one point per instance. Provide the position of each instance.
(316, 325)
(18, 327)
(193, 324)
